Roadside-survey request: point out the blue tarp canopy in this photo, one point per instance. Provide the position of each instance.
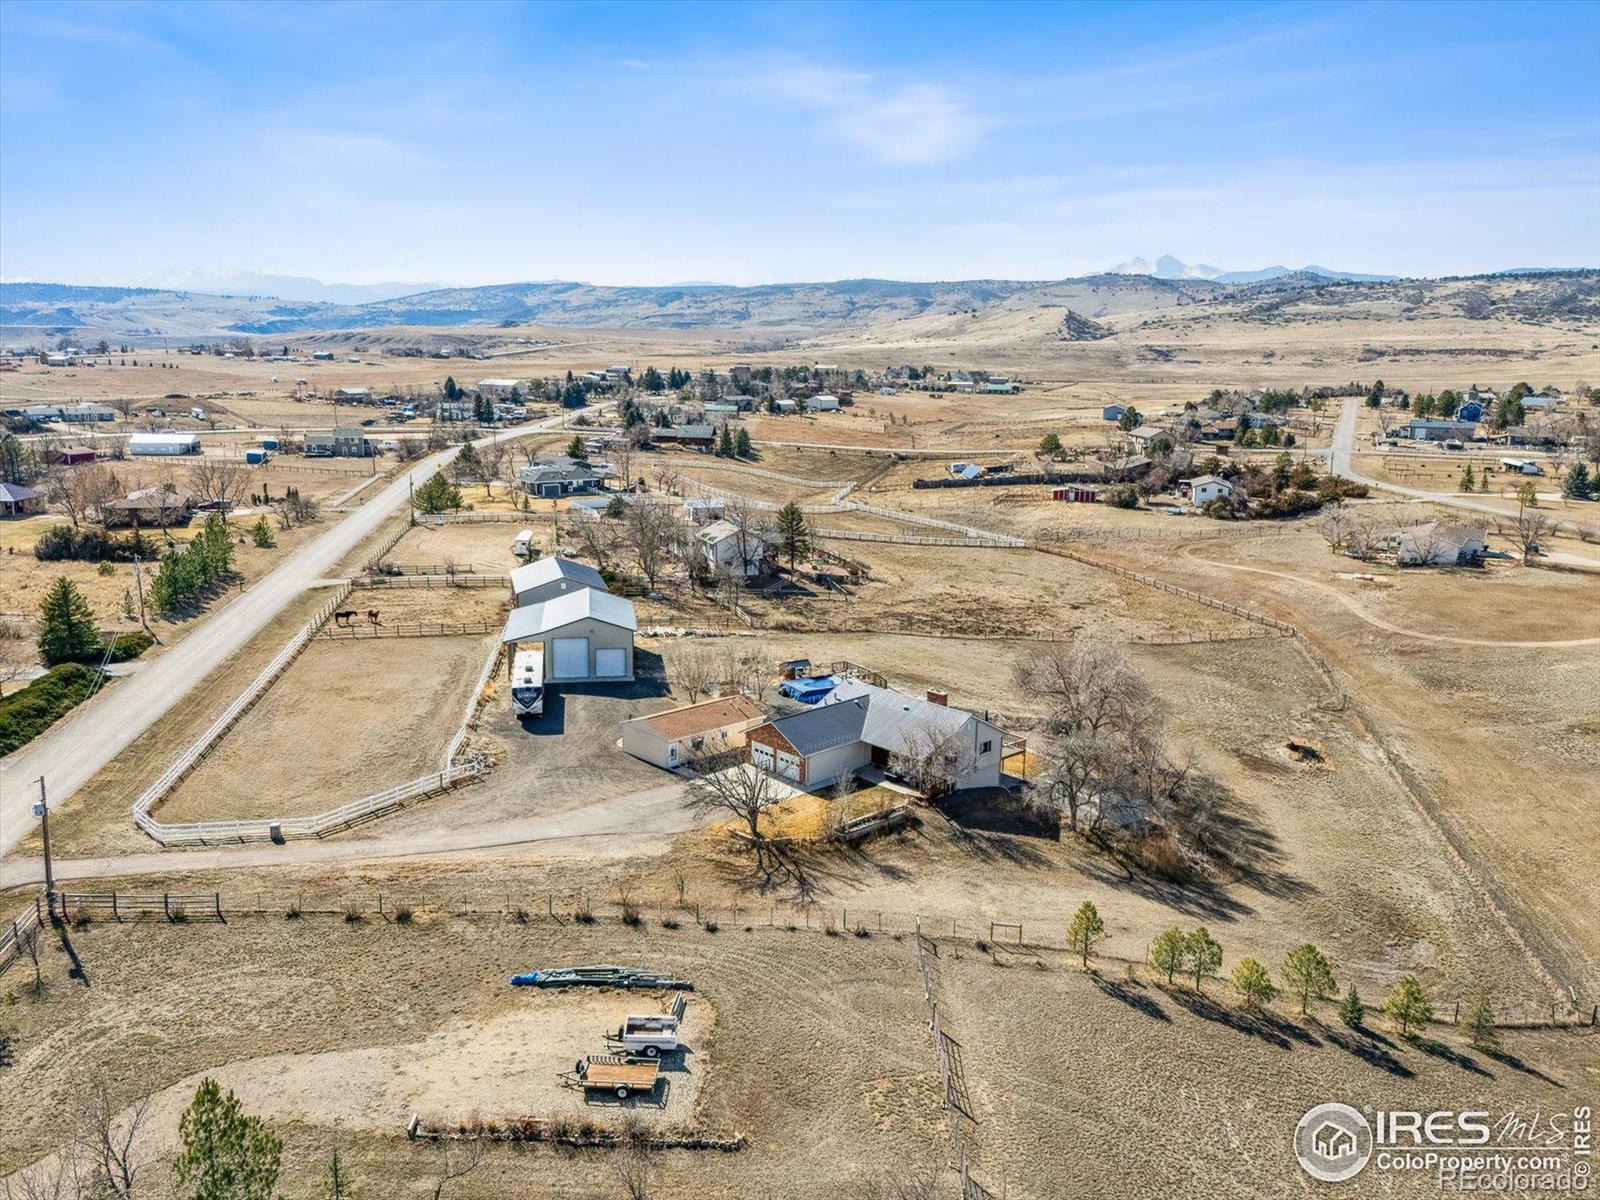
(808, 691)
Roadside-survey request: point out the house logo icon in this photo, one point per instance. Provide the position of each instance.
(1333, 1142)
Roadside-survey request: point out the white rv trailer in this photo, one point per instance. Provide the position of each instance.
(527, 682)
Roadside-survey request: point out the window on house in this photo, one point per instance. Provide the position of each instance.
(986, 747)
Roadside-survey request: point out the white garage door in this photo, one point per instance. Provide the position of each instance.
(761, 755)
(572, 658)
(610, 664)
(788, 766)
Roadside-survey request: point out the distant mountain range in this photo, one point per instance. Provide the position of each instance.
(227, 281)
(1167, 267)
(35, 313)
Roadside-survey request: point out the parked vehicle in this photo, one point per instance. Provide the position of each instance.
(519, 547)
(199, 414)
(527, 682)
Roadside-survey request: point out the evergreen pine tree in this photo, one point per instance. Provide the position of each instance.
(67, 632)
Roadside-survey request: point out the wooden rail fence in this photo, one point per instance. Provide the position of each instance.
(409, 629)
(13, 937)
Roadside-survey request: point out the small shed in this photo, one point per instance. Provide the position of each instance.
(823, 403)
(1076, 493)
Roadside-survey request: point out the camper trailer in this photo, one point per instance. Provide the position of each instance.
(519, 547)
(527, 682)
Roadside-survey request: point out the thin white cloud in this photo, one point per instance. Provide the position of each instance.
(893, 122)
(918, 123)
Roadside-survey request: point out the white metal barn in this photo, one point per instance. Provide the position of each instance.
(587, 636)
(164, 443)
(547, 578)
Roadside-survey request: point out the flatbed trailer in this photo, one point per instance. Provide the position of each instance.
(602, 975)
(614, 1073)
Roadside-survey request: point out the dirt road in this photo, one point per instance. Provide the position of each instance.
(627, 823)
(95, 733)
(1340, 463)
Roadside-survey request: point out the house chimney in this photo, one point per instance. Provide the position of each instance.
(938, 697)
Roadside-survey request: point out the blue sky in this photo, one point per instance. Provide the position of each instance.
(633, 143)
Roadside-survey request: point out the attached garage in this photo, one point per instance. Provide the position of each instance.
(587, 635)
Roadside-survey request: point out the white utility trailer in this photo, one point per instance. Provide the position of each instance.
(650, 1035)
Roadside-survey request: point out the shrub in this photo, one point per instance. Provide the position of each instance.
(63, 543)
(81, 918)
(402, 914)
(668, 923)
(27, 713)
(292, 913)
(711, 926)
(1123, 497)
(126, 647)
(353, 914)
(106, 568)
(630, 916)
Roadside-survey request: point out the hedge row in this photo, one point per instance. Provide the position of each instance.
(25, 714)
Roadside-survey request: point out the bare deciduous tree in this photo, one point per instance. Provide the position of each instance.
(598, 538)
(1528, 530)
(650, 537)
(932, 760)
(458, 1160)
(220, 482)
(724, 783)
(694, 670)
(110, 1141)
(1334, 525)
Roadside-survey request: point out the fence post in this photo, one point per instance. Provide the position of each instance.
(216, 900)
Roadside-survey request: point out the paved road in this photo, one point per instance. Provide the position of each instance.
(98, 731)
(1344, 439)
(624, 822)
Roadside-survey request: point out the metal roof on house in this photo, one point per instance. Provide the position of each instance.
(535, 620)
(824, 727)
(548, 570)
(898, 722)
(16, 493)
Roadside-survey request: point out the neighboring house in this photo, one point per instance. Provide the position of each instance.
(1146, 438)
(703, 511)
(586, 635)
(164, 443)
(1436, 430)
(341, 443)
(1523, 435)
(592, 508)
(1113, 412)
(559, 476)
(353, 395)
(501, 389)
(1439, 545)
(1470, 410)
(786, 406)
(19, 501)
(70, 456)
(548, 578)
(322, 355)
(1000, 387)
(86, 413)
(823, 403)
(1203, 489)
(721, 545)
(670, 739)
(860, 725)
(701, 436)
(158, 506)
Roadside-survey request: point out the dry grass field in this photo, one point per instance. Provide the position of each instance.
(348, 718)
(815, 1049)
(1094, 1083)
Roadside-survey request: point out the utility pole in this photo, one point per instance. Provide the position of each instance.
(42, 811)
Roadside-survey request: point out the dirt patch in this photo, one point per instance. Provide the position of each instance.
(347, 718)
